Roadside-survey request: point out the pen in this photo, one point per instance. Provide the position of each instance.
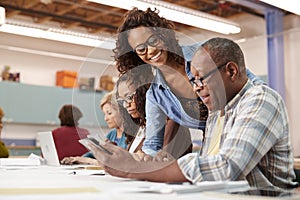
(72, 173)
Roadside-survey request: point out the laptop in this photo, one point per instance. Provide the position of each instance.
(48, 148)
(50, 154)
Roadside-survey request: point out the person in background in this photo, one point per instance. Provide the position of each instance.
(113, 119)
(66, 137)
(4, 153)
(116, 135)
(247, 135)
(131, 98)
(146, 38)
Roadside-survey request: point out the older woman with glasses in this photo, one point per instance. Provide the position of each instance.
(116, 135)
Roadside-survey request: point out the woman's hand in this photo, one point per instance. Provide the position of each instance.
(78, 160)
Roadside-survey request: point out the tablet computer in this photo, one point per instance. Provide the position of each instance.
(88, 140)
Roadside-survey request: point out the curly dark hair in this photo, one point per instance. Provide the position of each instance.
(140, 79)
(124, 55)
(69, 115)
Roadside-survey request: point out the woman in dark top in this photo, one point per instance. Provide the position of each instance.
(66, 137)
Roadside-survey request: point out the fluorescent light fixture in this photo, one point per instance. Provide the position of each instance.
(178, 14)
(292, 6)
(56, 55)
(31, 30)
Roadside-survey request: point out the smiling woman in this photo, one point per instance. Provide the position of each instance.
(146, 39)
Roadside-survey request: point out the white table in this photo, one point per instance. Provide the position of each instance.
(45, 182)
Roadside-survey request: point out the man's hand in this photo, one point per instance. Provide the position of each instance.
(141, 156)
(119, 163)
(163, 156)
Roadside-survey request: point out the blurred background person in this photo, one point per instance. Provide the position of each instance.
(66, 137)
(116, 135)
(4, 153)
(114, 120)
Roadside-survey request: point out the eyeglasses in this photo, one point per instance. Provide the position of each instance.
(128, 99)
(199, 82)
(152, 41)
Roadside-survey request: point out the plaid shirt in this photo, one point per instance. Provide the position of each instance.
(255, 143)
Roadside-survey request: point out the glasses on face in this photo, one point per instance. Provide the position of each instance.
(199, 81)
(128, 99)
(152, 41)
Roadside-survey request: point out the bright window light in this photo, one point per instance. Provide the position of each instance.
(178, 14)
(292, 6)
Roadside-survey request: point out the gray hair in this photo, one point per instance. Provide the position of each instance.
(223, 50)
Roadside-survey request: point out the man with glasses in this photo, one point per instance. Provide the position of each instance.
(247, 135)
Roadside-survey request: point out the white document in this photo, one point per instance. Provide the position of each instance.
(18, 162)
(32, 160)
(190, 188)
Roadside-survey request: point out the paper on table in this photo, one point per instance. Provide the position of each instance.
(31, 160)
(18, 162)
(23, 191)
(189, 188)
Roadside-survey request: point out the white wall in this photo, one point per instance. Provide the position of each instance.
(292, 72)
(252, 40)
(40, 69)
(38, 60)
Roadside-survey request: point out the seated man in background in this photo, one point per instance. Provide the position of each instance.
(247, 135)
(66, 137)
(4, 153)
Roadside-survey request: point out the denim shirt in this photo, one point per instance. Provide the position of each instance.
(162, 103)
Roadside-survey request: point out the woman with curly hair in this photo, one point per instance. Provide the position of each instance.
(146, 38)
(131, 97)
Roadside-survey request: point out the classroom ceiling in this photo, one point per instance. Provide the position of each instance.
(97, 18)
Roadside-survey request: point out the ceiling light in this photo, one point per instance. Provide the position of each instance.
(178, 14)
(292, 6)
(31, 30)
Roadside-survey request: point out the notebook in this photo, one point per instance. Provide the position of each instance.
(48, 148)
